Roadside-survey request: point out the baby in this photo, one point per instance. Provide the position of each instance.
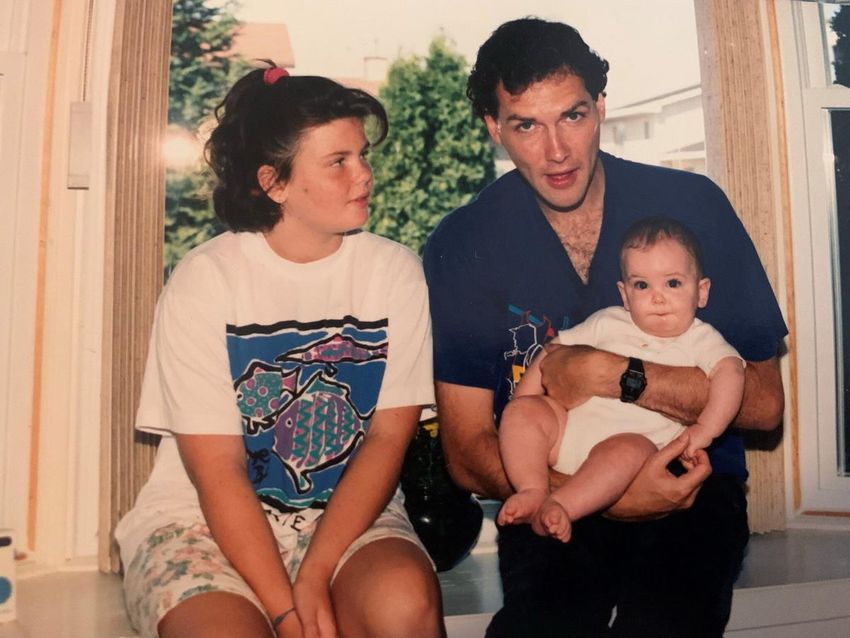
(604, 442)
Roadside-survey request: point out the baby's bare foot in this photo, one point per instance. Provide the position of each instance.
(552, 519)
(520, 507)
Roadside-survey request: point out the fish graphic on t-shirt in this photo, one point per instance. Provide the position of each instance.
(298, 414)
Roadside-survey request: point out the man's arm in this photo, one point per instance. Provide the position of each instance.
(470, 440)
(572, 374)
(681, 393)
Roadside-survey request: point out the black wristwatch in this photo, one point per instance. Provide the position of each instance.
(633, 381)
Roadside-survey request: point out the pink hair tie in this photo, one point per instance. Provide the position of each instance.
(273, 74)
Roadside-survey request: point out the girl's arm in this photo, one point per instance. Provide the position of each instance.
(363, 492)
(216, 466)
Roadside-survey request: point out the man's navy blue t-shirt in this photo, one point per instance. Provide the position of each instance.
(501, 284)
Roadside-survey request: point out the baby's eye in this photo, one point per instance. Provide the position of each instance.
(673, 283)
(641, 285)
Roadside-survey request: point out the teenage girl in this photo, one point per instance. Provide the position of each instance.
(288, 363)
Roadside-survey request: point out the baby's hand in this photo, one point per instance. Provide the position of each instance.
(699, 438)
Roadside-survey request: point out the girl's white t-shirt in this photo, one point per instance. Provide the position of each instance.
(293, 357)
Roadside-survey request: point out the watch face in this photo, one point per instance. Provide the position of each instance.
(633, 382)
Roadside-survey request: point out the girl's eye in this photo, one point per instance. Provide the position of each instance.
(674, 283)
(641, 285)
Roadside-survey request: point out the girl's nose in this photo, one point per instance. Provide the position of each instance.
(365, 175)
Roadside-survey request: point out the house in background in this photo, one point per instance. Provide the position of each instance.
(264, 40)
(665, 130)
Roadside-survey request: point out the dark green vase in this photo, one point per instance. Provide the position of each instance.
(446, 518)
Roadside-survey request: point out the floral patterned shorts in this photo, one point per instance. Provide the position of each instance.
(179, 561)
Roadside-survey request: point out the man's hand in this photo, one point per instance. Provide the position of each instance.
(573, 374)
(655, 491)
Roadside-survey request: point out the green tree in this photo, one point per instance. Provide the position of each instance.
(200, 73)
(841, 51)
(437, 154)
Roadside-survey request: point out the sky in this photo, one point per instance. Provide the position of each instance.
(650, 44)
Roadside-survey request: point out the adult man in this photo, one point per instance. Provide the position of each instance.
(536, 252)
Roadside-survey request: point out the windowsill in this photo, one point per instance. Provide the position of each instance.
(820, 521)
(794, 583)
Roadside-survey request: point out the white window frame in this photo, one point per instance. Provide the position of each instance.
(810, 99)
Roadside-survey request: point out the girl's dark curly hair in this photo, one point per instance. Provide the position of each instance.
(260, 123)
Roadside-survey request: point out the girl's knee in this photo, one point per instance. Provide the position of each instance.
(214, 615)
(408, 604)
(400, 599)
(408, 614)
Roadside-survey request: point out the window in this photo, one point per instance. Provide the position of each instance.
(821, 238)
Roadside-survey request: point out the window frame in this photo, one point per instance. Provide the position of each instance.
(811, 97)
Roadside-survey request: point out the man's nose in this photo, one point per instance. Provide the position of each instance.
(557, 147)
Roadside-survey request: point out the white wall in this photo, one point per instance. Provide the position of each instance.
(22, 59)
(51, 295)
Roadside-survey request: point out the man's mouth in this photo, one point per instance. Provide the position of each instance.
(563, 179)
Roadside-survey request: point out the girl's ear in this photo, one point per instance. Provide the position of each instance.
(272, 186)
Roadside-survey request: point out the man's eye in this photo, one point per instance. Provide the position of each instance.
(641, 285)
(525, 126)
(674, 283)
(575, 116)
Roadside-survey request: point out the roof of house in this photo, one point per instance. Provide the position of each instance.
(654, 104)
(263, 40)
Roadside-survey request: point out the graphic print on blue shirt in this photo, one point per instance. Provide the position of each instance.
(306, 392)
(528, 336)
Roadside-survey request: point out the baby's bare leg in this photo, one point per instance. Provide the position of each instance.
(597, 484)
(529, 435)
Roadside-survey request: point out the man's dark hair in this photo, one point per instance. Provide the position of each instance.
(648, 232)
(529, 50)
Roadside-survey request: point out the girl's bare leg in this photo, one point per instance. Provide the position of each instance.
(529, 437)
(388, 589)
(215, 615)
(597, 484)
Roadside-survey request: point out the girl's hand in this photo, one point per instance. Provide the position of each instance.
(312, 595)
(290, 627)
